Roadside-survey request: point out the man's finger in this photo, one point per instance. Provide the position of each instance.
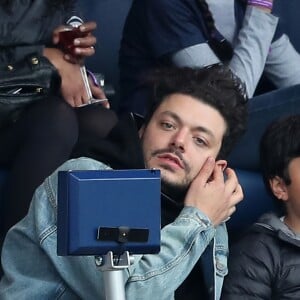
(232, 180)
(238, 194)
(206, 171)
(217, 174)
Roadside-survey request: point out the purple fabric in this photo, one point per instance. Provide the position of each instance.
(262, 3)
(93, 77)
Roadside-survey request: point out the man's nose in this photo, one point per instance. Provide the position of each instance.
(179, 139)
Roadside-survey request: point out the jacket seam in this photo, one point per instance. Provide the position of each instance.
(172, 263)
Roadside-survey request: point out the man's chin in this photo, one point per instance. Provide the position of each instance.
(170, 177)
(173, 187)
(173, 178)
(171, 174)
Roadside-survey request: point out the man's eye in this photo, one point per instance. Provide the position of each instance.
(199, 141)
(167, 125)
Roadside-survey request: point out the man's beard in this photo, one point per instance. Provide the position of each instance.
(174, 191)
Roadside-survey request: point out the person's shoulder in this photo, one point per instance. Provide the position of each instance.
(256, 241)
(82, 163)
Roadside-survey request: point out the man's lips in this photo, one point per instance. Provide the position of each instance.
(172, 159)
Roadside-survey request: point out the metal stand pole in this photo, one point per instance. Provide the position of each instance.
(112, 267)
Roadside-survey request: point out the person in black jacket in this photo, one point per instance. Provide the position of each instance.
(265, 263)
(44, 135)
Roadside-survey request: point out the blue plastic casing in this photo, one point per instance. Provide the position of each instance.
(89, 200)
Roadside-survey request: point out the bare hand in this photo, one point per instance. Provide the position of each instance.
(98, 93)
(211, 194)
(83, 45)
(72, 86)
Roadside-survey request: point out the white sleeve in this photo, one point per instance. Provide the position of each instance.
(283, 63)
(250, 51)
(199, 55)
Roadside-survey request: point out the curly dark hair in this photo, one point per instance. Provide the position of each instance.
(216, 86)
(279, 144)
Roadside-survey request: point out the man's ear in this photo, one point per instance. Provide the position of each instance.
(141, 131)
(279, 188)
(222, 163)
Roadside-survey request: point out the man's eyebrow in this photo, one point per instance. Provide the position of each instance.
(172, 115)
(197, 128)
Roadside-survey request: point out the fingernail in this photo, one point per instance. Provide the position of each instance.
(77, 50)
(76, 42)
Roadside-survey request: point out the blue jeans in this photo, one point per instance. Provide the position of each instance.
(263, 110)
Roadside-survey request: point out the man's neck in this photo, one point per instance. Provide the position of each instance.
(174, 194)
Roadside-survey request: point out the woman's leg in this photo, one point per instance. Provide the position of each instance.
(94, 122)
(40, 141)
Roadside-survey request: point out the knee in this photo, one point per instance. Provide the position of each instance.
(62, 113)
(57, 121)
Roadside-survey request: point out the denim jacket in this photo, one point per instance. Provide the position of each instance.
(32, 269)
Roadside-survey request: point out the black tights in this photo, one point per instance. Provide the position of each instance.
(41, 140)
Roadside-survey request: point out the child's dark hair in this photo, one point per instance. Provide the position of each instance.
(216, 86)
(279, 144)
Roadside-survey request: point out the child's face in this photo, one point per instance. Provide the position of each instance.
(293, 189)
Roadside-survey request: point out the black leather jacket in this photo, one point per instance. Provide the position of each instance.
(265, 263)
(28, 27)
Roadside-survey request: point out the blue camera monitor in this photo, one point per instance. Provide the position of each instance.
(108, 210)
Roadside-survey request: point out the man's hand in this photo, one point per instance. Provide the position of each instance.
(212, 194)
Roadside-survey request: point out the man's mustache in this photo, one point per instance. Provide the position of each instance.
(174, 151)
